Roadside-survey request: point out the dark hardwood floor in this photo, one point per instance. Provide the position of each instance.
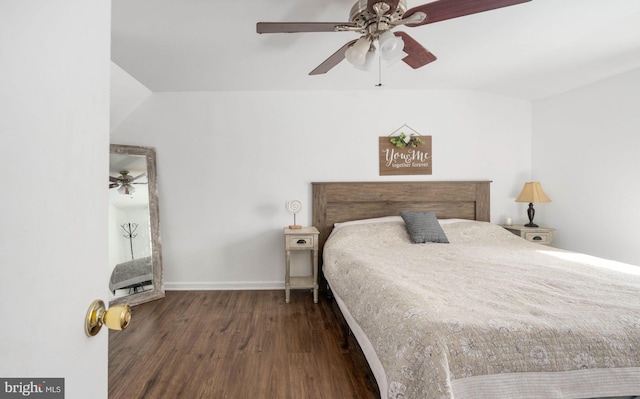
(237, 344)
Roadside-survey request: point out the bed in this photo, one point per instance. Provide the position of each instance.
(132, 275)
(487, 315)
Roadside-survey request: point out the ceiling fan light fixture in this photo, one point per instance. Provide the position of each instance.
(357, 53)
(388, 42)
(126, 189)
(392, 52)
(369, 60)
(375, 18)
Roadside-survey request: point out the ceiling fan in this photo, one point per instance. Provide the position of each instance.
(125, 182)
(374, 20)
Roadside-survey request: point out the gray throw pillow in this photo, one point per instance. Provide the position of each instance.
(423, 227)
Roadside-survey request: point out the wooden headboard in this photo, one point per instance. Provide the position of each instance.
(344, 201)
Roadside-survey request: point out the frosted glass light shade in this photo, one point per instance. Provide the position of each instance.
(388, 42)
(356, 54)
(369, 60)
(395, 51)
(126, 189)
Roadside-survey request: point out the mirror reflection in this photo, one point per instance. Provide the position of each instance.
(134, 246)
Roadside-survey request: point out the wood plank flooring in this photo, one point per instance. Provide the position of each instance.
(237, 344)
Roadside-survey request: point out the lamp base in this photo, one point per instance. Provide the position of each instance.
(531, 213)
(295, 226)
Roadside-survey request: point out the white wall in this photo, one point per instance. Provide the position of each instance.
(586, 153)
(228, 161)
(54, 96)
(126, 95)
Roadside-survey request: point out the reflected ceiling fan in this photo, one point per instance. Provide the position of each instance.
(125, 182)
(374, 20)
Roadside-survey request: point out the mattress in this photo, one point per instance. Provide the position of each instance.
(131, 274)
(488, 315)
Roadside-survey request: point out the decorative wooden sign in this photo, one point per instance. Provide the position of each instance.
(405, 154)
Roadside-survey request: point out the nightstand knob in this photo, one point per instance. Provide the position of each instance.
(301, 242)
(537, 238)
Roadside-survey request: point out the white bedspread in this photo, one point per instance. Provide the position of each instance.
(489, 315)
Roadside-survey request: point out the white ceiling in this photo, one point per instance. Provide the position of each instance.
(528, 51)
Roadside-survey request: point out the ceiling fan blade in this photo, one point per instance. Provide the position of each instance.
(393, 4)
(332, 61)
(113, 185)
(113, 179)
(418, 56)
(139, 176)
(295, 27)
(442, 10)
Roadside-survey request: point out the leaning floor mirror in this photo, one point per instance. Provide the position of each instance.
(135, 257)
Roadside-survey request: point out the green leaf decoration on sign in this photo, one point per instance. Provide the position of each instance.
(402, 140)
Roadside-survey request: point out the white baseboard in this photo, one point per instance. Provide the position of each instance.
(221, 286)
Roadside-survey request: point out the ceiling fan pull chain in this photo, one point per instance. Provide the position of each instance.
(379, 72)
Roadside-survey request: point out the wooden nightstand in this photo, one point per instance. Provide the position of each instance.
(539, 235)
(304, 239)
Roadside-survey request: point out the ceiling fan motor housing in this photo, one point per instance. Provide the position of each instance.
(368, 21)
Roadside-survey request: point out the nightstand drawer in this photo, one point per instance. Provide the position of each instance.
(539, 237)
(300, 241)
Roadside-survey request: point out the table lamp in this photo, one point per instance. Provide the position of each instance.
(293, 206)
(532, 192)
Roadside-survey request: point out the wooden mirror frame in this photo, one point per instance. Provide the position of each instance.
(154, 222)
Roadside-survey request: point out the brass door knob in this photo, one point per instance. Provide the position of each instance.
(116, 318)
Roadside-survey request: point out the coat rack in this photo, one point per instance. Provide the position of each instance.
(129, 233)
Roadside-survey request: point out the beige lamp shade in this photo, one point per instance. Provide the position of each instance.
(532, 192)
